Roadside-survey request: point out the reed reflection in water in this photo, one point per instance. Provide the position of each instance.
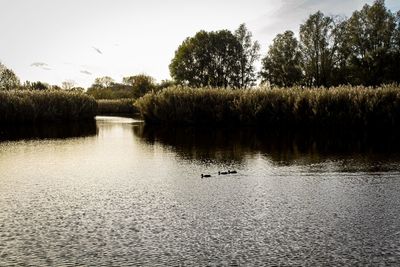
(53, 130)
(373, 150)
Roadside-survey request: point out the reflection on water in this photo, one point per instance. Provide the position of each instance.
(53, 130)
(126, 194)
(371, 149)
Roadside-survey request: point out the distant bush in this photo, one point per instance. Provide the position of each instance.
(116, 106)
(114, 91)
(131, 87)
(344, 106)
(46, 105)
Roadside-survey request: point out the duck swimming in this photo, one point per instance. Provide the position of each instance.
(232, 171)
(205, 176)
(222, 173)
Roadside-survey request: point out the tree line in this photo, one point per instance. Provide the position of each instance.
(104, 87)
(363, 49)
(131, 87)
(331, 50)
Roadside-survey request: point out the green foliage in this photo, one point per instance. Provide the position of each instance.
(18, 106)
(282, 65)
(131, 87)
(103, 82)
(249, 55)
(208, 59)
(116, 107)
(344, 107)
(36, 86)
(69, 85)
(141, 84)
(318, 46)
(116, 91)
(361, 50)
(371, 34)
(8, 79)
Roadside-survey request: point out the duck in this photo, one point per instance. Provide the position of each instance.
(222, 173)
(232, 171)
(205, 176)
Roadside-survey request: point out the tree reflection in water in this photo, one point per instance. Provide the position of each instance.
(282, 147)
(54, 130)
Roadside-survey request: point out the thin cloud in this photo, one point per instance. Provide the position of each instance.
(41, 65)
(291, 13)
(86, 72)
(97, 50)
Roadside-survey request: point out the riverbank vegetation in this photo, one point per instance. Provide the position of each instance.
(116, 107)
(363, 50)
(50, 105)
(344, 106)
(131, 87)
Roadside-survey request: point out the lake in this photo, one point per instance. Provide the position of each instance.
(116, 192)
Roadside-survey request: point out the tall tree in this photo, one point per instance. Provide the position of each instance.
(340, 53)
(103, 82)
(371, 32)
(318, 46)
(282, 65)
(141, 84)
(250, 54)
(8, 79)
(68, 84)
(208, 59)
(394, 70)
(397, 32)
(38, 86)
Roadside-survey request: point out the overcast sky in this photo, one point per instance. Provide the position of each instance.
(79, 40)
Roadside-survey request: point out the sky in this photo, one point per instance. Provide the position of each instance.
(78, 40)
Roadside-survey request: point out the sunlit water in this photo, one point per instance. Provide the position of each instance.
(116, 193)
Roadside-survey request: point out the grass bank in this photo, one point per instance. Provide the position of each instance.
(344, 106)
(49, 105)
(116, 107)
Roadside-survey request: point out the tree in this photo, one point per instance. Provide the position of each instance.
(249, 55)
(103, 82)
(8, 79)
(340, 58)
(208, 59)
(397, 32)
(394, 71)
(141, 84)
(282, 65)
(68, 85)
(371, 34)
(38, 86)
(318, 47)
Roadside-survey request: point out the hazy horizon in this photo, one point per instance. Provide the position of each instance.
(54, 41)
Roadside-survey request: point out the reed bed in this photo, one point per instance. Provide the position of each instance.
(116, 107)
(344, 106)
(50, 105)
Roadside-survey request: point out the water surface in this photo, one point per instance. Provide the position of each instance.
(118, 193)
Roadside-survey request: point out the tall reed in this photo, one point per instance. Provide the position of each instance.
(116, 107)
(49, 105)
(343, 106)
